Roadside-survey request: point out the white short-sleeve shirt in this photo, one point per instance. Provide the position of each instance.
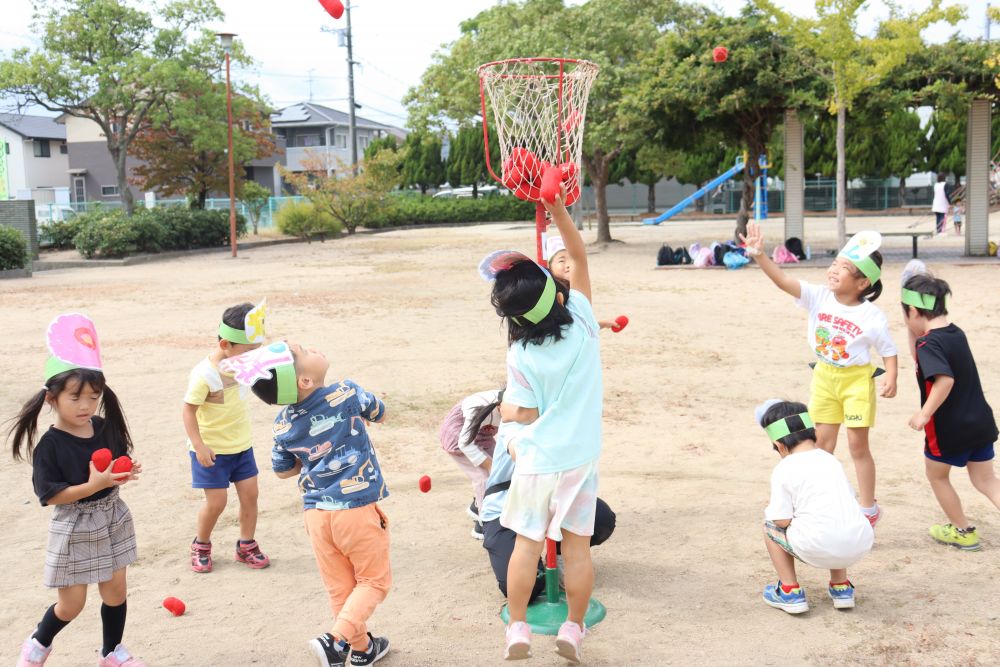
(843, 335)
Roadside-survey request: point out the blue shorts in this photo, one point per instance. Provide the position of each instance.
(228, 469)
(959, 460)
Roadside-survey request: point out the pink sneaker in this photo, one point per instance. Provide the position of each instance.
(874, 518)
(120, 657)
(201, 556)
(33, 654)
(250, 554)
(518, 641)
(569, 641)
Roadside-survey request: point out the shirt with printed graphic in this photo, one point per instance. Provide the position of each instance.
(563, 380)
(223, 409)
(965, 420)
(843, 335)
(327, 432)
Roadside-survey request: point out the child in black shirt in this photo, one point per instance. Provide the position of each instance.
(958, 423)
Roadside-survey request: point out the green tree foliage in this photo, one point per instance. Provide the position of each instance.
(388, 142)
(255, 198)
(422, 165)
(467, 158)
(112, 63)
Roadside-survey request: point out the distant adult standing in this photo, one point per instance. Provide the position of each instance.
(941, 202)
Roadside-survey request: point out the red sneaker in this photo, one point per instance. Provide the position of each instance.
(249, 553)
(201, 556)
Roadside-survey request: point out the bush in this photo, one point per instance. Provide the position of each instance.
(303, 220)
(60, 233)
(112, 234)
(13, 249)
(427, 210)
(195, 228)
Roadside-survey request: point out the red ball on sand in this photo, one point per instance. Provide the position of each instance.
(620, 323)
(101, 458)
(174, 606)
(720, 54)
(425, 483)
(122, 464)
(334, 8)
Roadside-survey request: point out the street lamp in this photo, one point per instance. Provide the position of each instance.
(226, 40)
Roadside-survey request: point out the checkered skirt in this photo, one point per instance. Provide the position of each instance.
(88, 541)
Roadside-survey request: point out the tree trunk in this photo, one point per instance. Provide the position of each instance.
(423, 188)
(199, 202)
(746, 202)
(699, 203)
(902, 192)
(651, 198)
(598, 166)
(841, 176)
(475, 190)
(121, 175)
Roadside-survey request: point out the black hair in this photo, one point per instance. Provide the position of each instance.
(480, 415)
(928, 284)
(516, 291)
(789, 410)
(874, 290)
(942, 176)
(267, 389)
(114, 428)
(235, 316)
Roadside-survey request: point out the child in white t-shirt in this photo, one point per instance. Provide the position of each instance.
(812, 514)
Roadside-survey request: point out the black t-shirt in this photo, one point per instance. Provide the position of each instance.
(62, 460)
(965, 420)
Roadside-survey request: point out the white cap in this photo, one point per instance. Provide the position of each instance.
(761, 409)
(553, 244)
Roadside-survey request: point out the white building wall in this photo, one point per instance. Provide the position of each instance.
(46, 172)
(15, 161)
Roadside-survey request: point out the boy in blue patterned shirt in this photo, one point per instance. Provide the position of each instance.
(321, 436)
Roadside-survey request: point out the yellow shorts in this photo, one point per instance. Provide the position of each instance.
(843, 395)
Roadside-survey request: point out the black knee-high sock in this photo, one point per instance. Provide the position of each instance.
(49, 627)
(113, 619)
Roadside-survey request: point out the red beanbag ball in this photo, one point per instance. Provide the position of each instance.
(334, 8)
(122, 464)
(572, 195)
(425, 483)
(551, 180)
(620, 323)
(720, 54)
(101, 458)
(174, 606)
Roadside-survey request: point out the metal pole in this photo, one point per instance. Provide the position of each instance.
(353, 129)
(232, 171)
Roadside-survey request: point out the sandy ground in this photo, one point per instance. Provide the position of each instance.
(405, 314)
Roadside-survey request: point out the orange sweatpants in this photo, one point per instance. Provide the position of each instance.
(352, 552)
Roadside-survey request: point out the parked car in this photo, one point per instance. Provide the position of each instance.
(466, 193)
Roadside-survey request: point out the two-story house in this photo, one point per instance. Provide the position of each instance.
(33, 159)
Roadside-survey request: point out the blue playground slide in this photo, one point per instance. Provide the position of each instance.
(687, 201)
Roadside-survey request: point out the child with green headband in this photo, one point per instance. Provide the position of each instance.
(844, 325)
(958, 424)
(554, 386)
(812, 515)
(216, 418)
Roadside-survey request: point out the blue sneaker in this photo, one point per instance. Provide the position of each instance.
(842, 595)
(793, 602)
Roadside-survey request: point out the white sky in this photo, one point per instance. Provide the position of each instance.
(393, 39)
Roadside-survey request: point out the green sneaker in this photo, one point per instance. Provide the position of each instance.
(967, 540)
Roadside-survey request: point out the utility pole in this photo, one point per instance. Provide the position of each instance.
(352, 136)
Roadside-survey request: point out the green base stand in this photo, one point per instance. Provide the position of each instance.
(545, 617)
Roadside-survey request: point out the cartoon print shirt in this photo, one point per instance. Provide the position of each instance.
(223, 409)
(327, 433)
(563, 380)
(843, 335)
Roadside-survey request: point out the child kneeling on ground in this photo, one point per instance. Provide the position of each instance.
(812, 515)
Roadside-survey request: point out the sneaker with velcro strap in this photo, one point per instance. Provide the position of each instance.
(328, 651)
(377, 648)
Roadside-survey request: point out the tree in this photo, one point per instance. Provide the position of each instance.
(111, 63)
(184, 148)
(255, 198)
(852, 64)
(738, 102)
(388, 142)
(421, 161)
(353, 199)
(467, 158)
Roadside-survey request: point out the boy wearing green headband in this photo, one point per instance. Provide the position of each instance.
(216, 418)
(812, 515)
(958, 424)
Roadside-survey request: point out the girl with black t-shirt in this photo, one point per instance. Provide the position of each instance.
(91, 536)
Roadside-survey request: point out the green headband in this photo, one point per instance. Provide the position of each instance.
(544, 305)
(54, 367)
(868, 267)
(779, 429)
(288, 386)
(918, 300)
(226, 332)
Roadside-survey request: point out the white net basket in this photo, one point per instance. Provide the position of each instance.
(538, 108)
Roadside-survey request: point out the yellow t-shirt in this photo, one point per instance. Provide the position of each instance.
(223, 409)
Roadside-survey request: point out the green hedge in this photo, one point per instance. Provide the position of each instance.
(303, 220)
(428, 210)
(13, 249)
(112, 234)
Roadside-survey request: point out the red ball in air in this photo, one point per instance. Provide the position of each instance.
(122, 464)
(620, 323)
(334, 8)
(425, 484)
(101, 458)
(720, 54)
(174, 606)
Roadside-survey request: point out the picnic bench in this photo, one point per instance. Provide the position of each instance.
(914, 235)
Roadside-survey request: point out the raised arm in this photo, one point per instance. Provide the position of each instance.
(754, 241)
(579, 271)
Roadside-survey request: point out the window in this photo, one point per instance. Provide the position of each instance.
(306, 140)
(363, 142)
(63, 148)
(109, 190)
(79, 189)
(42, 148)
(246, 126)
(340, 140)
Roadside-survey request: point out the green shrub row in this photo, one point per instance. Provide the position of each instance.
(13, 249)
(428, 210)
(112, 234)
(303, 220)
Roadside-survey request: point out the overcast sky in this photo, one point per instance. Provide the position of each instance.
(394, 41)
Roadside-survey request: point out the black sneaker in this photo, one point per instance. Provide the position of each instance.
(324, 648)
(477, 531)
(377, 648)
(473, 511)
